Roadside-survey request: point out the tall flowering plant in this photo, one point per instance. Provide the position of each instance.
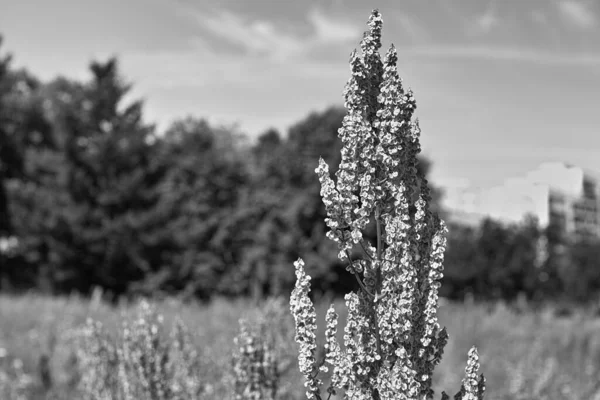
(392, 339)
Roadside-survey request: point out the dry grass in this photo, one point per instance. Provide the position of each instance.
(527, 355)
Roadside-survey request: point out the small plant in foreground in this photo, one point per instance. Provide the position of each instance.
(14, 382)
(392, 337)
(261, 353)
(254, 364)
(142, 365)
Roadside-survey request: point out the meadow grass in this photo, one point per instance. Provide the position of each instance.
(526, 354)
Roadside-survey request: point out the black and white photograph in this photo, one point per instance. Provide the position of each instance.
(310, 199)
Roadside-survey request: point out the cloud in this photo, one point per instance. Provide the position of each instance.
(265, 38)
(412, 27)
(200, 66)
(329, 30)
(577, 13)
(233, 50)
(485, 22)
(506, 54)
(256, 37)
(551, 30)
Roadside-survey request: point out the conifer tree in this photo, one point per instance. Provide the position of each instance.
(24, 133)
(93, 224)
(8, 158)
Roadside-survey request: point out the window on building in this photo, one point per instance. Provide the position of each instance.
(590, 188)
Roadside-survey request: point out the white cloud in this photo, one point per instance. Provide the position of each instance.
(272, 53)
(485, 22)
(261, 37)
(577, 13)
(506, 54)
(329, 30)
(200, 66)
(257, 37)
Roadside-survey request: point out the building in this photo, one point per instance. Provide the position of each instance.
(566, 196)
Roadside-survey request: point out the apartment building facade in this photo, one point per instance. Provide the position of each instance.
(564, 196)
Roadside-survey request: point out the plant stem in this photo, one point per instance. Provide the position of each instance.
(379, 249)
(360, 283)
(377, 278)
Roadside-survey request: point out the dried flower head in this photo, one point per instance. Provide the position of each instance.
(392, 339)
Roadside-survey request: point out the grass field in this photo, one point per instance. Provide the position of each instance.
(524, 355)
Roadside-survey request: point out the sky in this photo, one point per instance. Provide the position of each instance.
(501, 86)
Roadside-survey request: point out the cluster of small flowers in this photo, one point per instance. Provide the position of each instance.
(145, 356)
(144, 365)
(15, 384)
(255, 366)
(392, 337)
(98, 360)
(184, 364)
(305, 318)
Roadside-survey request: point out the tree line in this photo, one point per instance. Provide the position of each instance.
(91, 196)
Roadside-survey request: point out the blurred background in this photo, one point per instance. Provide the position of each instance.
(167, 149)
